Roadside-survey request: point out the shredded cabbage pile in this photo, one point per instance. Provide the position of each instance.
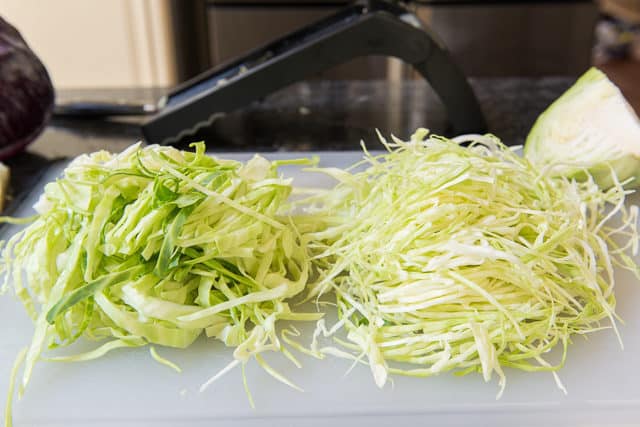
(440, 255)
(156, 246)
(448, 257)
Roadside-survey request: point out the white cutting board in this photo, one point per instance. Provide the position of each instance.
(127, 388)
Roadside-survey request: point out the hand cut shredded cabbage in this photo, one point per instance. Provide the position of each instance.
(156, 245)
(448, 257)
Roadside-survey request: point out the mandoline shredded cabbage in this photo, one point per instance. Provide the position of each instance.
(448, 257)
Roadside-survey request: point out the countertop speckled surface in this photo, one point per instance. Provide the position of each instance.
(319, 115)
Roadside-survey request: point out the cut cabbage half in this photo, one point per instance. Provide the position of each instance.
(590, 129)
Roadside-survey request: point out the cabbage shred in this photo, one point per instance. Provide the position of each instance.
(448, 257)
(158, 246)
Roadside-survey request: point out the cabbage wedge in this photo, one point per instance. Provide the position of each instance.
(591, 130)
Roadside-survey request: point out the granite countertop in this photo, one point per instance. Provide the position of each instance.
(308, 116)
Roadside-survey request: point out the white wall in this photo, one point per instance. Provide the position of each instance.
(98, 43)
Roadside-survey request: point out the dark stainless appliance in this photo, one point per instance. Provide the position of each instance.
(485, 37)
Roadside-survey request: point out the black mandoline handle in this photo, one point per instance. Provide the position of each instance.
(374, 28)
